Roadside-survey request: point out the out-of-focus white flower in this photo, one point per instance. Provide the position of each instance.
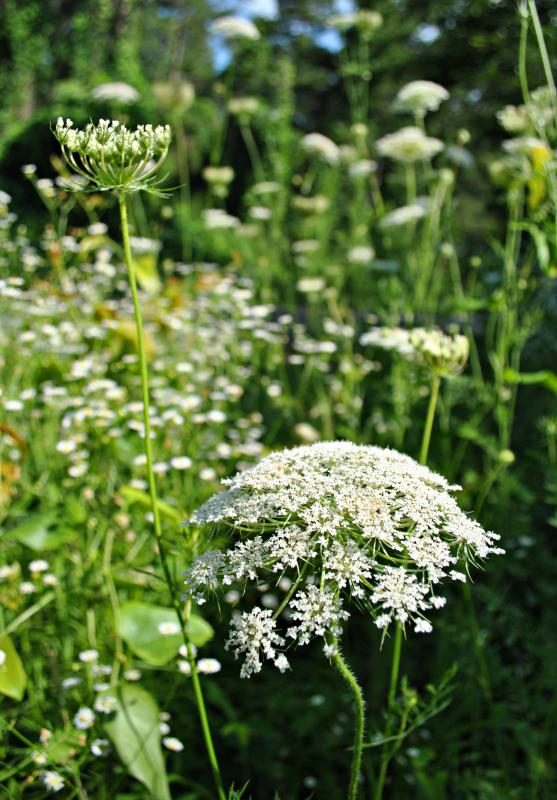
(99, 747)
(306, 432)
(209, 666)
(84, 718)
(171, 743)
(218, 175)
(361, 254)
(52, 780)
(214, 218)
(3, 657)
(181, 462)
(169, 628)
(234, 28)
(419, 97)
(362, 168)
(88, 656)
(310, 285)
(243, 106)
(408, 145)
(38, 565)
(118, 92)
(403, 215)
(318, 145)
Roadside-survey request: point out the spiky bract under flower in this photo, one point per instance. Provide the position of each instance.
(340, 521)
(111, 157)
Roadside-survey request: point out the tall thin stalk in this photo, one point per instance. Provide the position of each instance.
(393, 683)
(182, 617)
(432, 405)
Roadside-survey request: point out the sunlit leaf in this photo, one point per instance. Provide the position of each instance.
(12, 675)
(134, 731)
(139, 627)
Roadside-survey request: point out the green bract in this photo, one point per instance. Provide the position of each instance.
(112, 157)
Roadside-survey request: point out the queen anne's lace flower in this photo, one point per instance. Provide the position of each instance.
(420, 97)
(111, 157)
(337, 520)
(442, 353)
(408, 145)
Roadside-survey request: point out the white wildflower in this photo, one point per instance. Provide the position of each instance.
(84, 719)
(330, 518)
(408, 145)
(254, 635)
(209, 666)
(99, 747)
(88, 656)
(106, 704)
(403, 215)
(118, 92)
(169, 628)
(52, 780)
(419, 97)
(318, 145)
(234, 28)
(171, 743)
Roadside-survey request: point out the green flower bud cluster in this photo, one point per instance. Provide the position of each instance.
(112, 157)
(440, 352)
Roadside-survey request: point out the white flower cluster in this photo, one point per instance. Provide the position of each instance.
(408, 145)
(321, 146)
(419, 97)
(441, 352)
(337, 520)
(234, 28)
(112, 156)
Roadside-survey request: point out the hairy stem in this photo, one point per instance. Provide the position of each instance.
(359, 704)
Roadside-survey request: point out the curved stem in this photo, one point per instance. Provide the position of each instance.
(182, 618)
(356, 690)
(388, 752)
(433, 397)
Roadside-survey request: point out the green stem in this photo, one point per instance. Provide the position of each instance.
(393, 683)
(356, 690)
(433, 397)
(154, 503)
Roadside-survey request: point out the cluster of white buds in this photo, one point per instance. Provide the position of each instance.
(330, 522)
(409, 145)
(440, 352)
(111, 157)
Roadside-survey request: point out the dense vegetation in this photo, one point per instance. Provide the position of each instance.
(328, 251)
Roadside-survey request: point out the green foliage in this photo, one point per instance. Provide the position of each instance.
(134, 731)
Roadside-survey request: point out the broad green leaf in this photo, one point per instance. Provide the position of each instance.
(12, 675)
(134, 731)
(139, 627)
(38, 532)
(132, 496)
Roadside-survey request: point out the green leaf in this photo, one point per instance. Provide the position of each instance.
(132, 496)
(139, 627)
(12, 675)
(134, 731)
(64, 744)
(36, 532)
(540, 241)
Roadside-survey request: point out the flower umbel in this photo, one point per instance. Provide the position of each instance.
(111, 157)
(340, 521)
